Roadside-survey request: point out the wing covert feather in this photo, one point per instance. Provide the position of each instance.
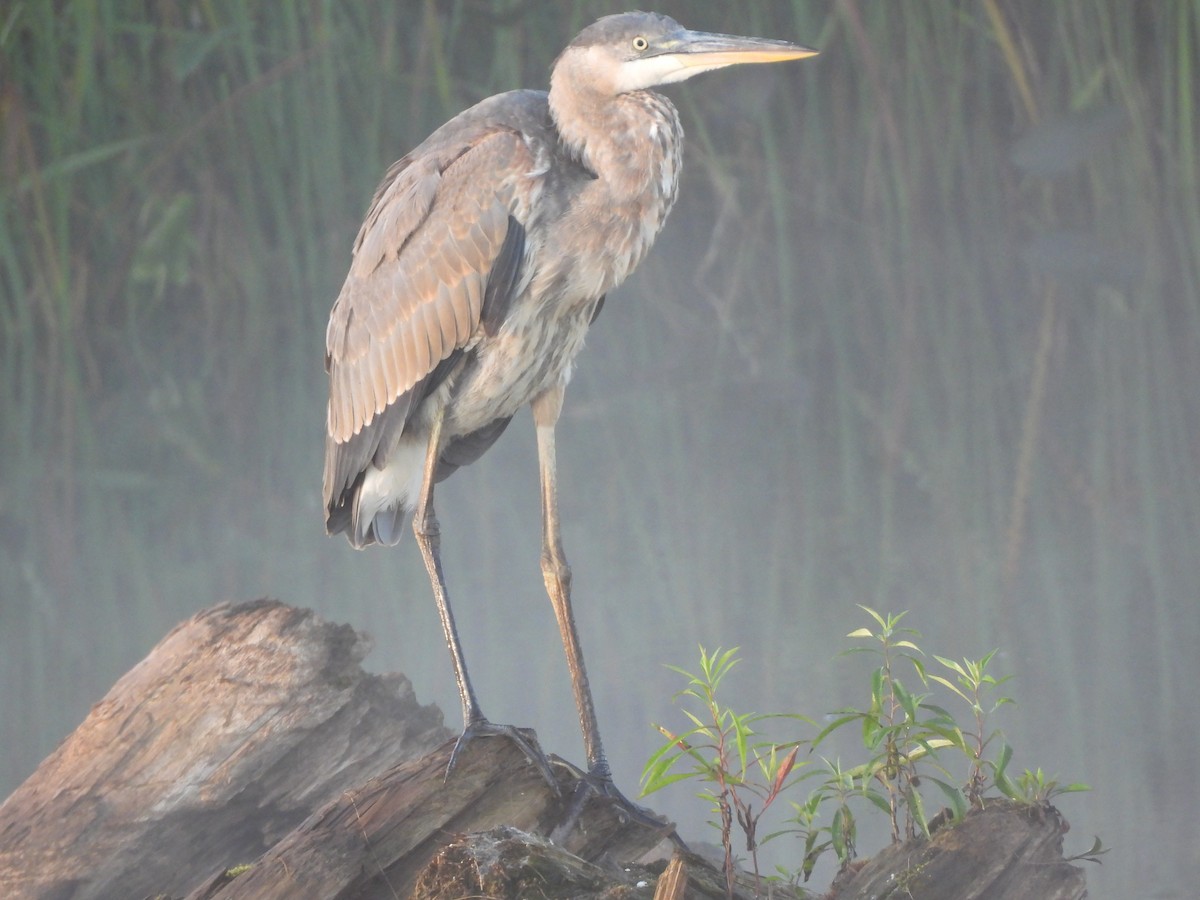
(422, 262)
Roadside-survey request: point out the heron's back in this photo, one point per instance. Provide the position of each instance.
(481, 262)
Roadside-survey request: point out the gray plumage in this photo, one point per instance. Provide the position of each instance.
(485, 255)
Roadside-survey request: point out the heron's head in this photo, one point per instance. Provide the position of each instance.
(638, 50)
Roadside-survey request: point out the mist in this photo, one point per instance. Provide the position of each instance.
(920, 335)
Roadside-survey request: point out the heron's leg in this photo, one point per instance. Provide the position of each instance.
(429, 539)
(557, 574)
(475, 724)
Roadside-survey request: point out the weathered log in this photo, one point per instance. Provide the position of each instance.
(250, 735)
(375, 841)
(236, 726)
(1004, 851)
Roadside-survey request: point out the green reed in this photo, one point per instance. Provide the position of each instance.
(813, 394)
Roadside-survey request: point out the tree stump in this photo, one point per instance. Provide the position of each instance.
(1004, 851)
(249, 756)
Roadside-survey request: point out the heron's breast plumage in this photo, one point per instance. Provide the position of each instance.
(530, 353)
(576, 253)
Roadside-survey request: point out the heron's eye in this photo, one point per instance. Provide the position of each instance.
(640, 43)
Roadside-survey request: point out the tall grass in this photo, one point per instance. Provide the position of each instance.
(922, 334)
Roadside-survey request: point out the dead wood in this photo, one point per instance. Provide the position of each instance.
(375, 841)
(250, 735)
(239, 724)
(1002, 852)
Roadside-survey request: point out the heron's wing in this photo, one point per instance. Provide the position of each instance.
(440, 250)
(421, 268)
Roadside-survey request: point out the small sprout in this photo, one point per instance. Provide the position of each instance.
(1093, 855)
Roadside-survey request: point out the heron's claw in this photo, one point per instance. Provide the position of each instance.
(524, 738)
(600, 785)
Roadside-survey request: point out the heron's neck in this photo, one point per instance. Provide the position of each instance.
(631, 141)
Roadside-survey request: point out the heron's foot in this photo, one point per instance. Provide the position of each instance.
(599, 785)
(524, 738)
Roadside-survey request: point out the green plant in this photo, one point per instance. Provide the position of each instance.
(972, 682)
(900, 729)
(1032, 787)
(1035, 790)
(842, 831)
(1091, 855)
(909, 739)
(739, 767)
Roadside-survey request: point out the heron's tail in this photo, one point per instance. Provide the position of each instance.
(385, 527)
(375, 508)
(368, 518)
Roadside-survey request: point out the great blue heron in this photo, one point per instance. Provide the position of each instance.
(485, 255)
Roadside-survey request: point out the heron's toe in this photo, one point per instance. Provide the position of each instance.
(599, 785)
(524, 738)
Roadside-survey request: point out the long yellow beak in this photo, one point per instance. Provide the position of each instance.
(709, 51)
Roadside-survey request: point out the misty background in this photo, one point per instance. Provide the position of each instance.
(921, 334)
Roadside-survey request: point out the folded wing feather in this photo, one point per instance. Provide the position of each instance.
(415, 291)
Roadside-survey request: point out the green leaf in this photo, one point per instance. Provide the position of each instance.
(851, 650)
(879, 800)
(950, 664)
(812, 854)
(877, 688)
(883, 623)
(916, 806)
(1003, 758)
(835, 725)
(837, 833)
(661, 752)
(948, 684)
(907, 702)
(872, 732)
(948, 736)
(1007, 788)
(665, 780)
(740, 734)
(701, 726)
(718, 669)
(958, 800)
(1098, 850)
(927, 747)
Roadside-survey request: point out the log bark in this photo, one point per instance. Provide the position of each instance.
(249, 756)
(377, 840)
(236, 726)
(1004, 851)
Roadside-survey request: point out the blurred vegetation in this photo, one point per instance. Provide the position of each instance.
(922, 333)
